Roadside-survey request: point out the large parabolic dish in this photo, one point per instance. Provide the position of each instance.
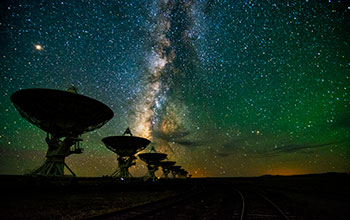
(152, 158)
(125, 145)
(167, 164)
(61, 113)
(175, 168)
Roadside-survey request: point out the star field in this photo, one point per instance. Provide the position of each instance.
(225, 88)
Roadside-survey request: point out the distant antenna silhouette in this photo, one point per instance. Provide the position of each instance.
(125, 147)
(153, 162)
(166, 167)
(179, 172)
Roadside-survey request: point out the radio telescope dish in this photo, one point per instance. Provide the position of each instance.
(125, 147)
(61, 113)
(174, 170)
(64, 116)
(153, 162)
(152, 158)
(182, 173)
(166, 166)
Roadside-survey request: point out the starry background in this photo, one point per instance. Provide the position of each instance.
(226, 88)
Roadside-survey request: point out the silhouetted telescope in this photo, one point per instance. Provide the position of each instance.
(179, 172)
(64, 116)
(153, 162)
(182, 173)
(166, 167)
(174, 170)
(125, 147)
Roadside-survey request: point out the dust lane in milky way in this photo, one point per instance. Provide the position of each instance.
(226, 88)
(155, 114)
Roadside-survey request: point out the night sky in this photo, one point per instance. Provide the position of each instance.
(225, 87)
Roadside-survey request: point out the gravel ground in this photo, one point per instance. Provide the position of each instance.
(73, 206)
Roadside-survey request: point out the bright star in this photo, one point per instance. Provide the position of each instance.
(38, 47)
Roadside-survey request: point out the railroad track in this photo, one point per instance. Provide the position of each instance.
(202, 203)
(145, 211)
(246, 205)
(255, 205)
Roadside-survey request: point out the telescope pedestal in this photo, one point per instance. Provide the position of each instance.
(152, 168)
(56, 154)
(124, 163)
(173, 173)
(53, 166)
(166, 172)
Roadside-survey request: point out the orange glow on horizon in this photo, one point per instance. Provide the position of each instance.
(286, 171)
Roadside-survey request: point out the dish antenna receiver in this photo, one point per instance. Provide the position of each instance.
(64, 116)
(125, 146)
(153, 162)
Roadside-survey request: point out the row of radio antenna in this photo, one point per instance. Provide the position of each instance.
(127, 146)
(65, 115)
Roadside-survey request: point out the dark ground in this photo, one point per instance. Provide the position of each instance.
(319, 196)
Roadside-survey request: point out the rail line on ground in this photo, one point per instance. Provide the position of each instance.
(148, 209)
(208, 202)
(252, 208)
(243, 204)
